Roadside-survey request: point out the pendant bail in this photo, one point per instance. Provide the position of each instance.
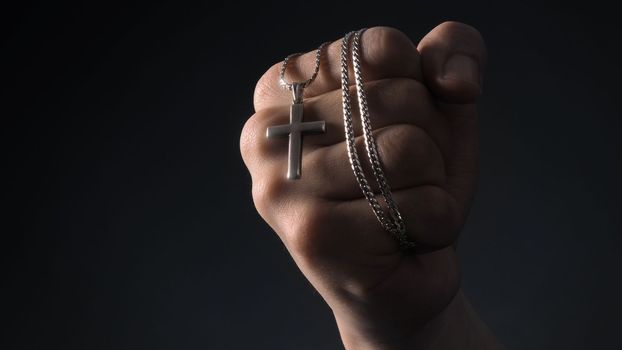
(298, 91)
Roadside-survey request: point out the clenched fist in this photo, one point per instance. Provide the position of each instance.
(422, 106)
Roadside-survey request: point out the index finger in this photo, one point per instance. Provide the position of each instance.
(386, 53)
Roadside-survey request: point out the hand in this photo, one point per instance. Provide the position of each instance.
(422, 106)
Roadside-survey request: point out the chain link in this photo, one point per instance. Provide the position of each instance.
(318, 58)
(394, 223)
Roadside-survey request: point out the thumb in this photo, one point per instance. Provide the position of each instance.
(453, 57)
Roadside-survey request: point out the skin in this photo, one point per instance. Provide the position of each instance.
(422, 100)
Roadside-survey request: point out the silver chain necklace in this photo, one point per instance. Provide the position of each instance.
(393, 222)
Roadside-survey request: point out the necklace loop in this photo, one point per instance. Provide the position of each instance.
(290, 85)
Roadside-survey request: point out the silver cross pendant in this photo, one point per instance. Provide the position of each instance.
(295, 130)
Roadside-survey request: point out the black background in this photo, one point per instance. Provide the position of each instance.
(130, 223)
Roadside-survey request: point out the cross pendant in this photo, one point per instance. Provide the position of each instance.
(295, 130)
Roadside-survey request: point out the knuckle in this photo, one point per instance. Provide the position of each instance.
(266, 86)
(402, 99)
(406, 87)
(438, 206)
(305, 230)
(248, 137)
(260, 197)
(394, 144)
(253, 141)
(390, 38)
(268, 193)
(465, 37)
(388, 89)
(442, 217)
(460, 27)
(411, 94)
(387, 44)
(402, 144)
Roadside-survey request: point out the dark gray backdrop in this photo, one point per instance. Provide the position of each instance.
(131, 224)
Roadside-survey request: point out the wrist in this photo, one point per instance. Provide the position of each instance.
(456, 327)
(376, 333)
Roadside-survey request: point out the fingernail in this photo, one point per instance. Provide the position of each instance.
(464, 68)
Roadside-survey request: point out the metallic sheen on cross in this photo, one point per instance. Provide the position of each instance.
(295, 130)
